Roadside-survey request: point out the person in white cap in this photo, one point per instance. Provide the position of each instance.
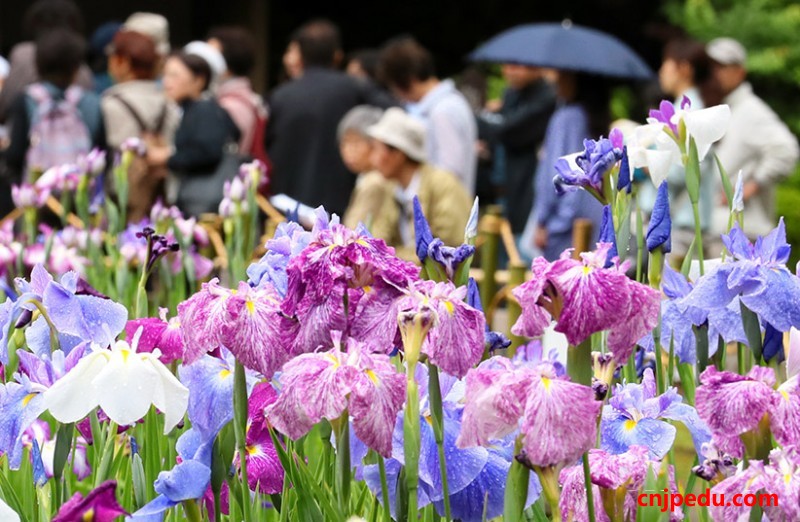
(399, 154)
(155, 27)
(757, 143)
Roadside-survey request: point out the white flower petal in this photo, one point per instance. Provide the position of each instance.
(707, 126)
(659, 162)
(7, 514)
(126, 387)
(74, 396)
(170, 396)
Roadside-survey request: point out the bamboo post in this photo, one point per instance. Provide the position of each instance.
(490, 226)
(581, 236)
(516, 276)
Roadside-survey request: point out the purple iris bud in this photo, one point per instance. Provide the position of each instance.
(24, 318)
(607, 235)
(659, 231)
(624, 180)
(773, 344)
(600, 389)
(293, 216)
(82, 287)
(146, 233)
(39, 474)
(134, 446)
(422, 232)
(450, 258)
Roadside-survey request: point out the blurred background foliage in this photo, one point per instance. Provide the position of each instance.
(770, 31)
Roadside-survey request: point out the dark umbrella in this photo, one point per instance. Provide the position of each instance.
(564, 46)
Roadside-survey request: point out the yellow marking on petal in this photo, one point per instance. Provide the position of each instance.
(224, 374)
(367, 289)
(252, 450)
(251, 306)
(125, 354)
(546, 383)
(88, 516)
(362, 242)
(333, 358)
(428, 419)
(449, 306)
(787, 478)
(28, 398)
(586, 270)
(785, 395)
(373, 377)
(630, 424)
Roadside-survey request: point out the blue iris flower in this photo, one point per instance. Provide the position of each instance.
(660, 228)
(475, 476)
(634, 416)
(757, 273)
(607, 235)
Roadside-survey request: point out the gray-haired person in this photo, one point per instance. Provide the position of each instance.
(372, 190)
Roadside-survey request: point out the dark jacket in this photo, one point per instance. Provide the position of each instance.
(301, 136)
(201, 137)
(520, 132)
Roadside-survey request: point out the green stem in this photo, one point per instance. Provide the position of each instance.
(698, 236)
(516, 492)
(192, 510)
(341, 430)
(740, 357)
(579, 362)
(240, 431)
(587, 480)
(435, 397)
(387, 516)
(550, 490)
(108, 454)
(411, 444)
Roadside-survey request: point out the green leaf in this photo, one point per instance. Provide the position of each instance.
(726, 181)
(752, 329)
(693, 172)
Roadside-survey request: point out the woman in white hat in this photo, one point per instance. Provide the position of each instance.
(205, 130)
(399, 154)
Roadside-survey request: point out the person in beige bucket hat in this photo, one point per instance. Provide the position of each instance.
(399, 155)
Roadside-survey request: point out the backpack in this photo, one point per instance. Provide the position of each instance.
(57, 134)
(145, 181)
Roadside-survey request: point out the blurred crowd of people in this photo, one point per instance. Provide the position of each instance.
(361, 134)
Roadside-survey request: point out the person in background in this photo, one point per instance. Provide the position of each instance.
(155, 27)
(79, 123)
(235, 93)
(684, 72)
(4, 69)
(582, 110)
(135, 106)
(304, 115)
(6, 203)
(98, 56)
(202, 135)
(514, 135)
(292, 60)
(407, 69)
(399, 154)
(363, 64)
(757, 142)
(41, 17)
(372, 192)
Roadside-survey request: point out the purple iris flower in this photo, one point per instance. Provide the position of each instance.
(677, 323)
(78, 318)
(324, 385)
(100, 505)
(757, 272)
(502, 398)
(590, 166)
(264, 470)
(456, 341)
(633, 417)
(584, 298)
(158, 332)
(289, 240)
(494, 340)
(666, 113)
(448, 257)
(22, 402)
(422, 231)
(341, 267)
(733, 404)
(616, 482)
(659, 231)
(476, 476)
